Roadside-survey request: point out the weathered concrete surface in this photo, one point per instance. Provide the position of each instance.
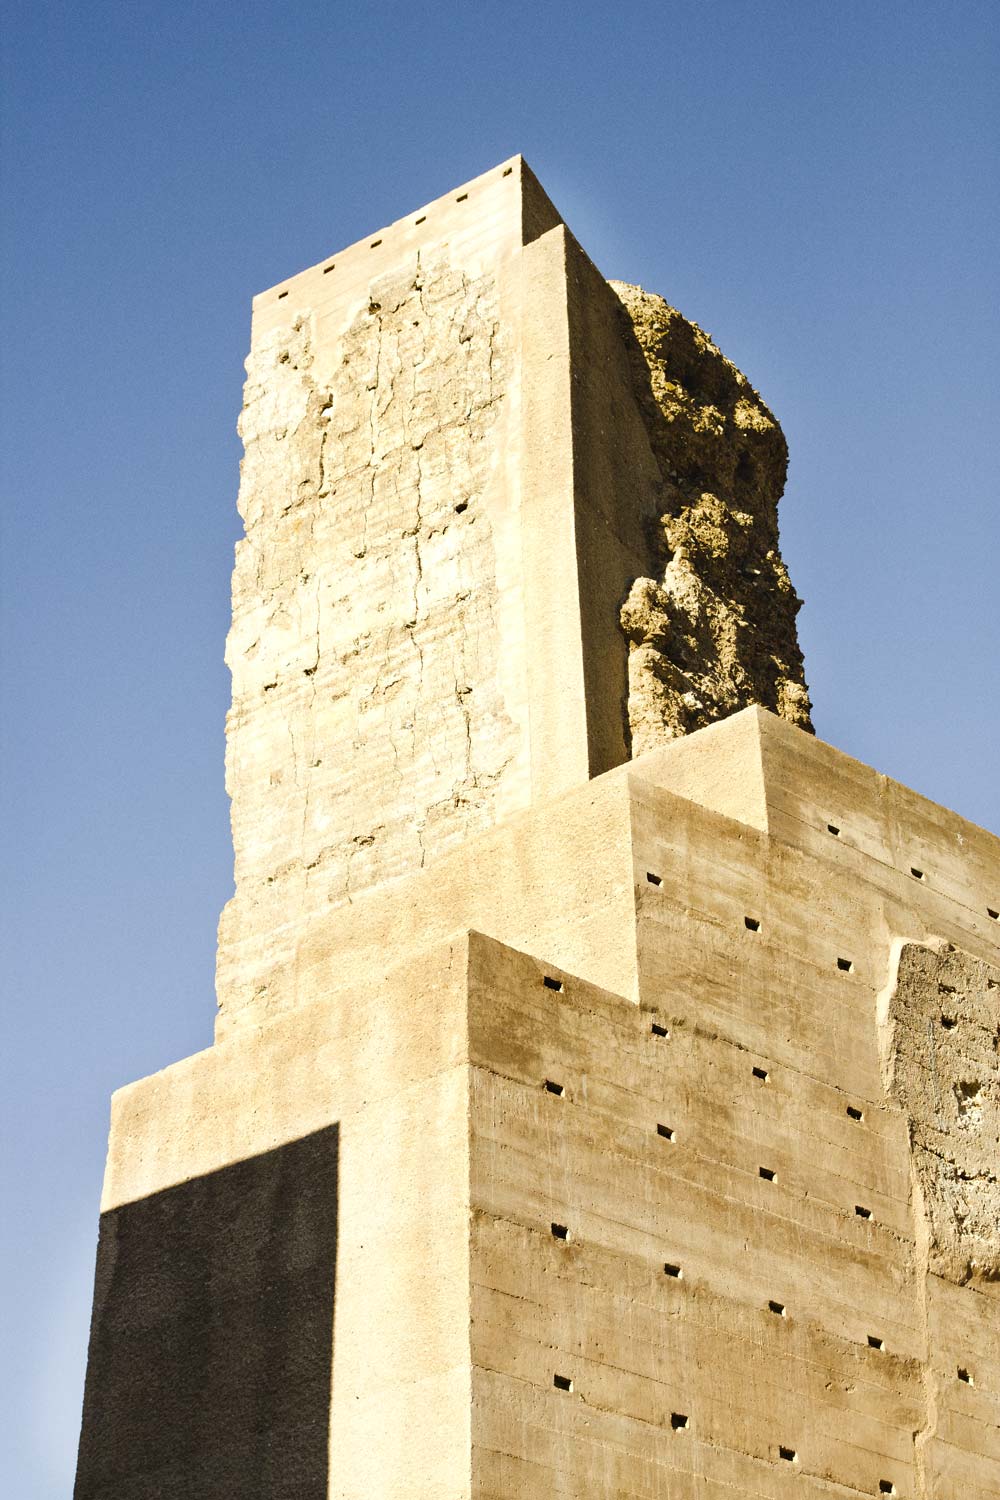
(581, 1121)
(209, 1371)
(707, 1319)
(379, 706)
(941, 1051)
(568, 878)
(479, 1105)
(463, 456)
(397, 1337)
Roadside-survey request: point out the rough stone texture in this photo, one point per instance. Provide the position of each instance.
(715, 630)
(386, 698)
(943, 1046)
(363, 630)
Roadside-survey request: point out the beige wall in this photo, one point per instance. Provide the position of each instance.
(379, 708)
(456, 1159)
(448, 491)
(917, 1276)
(388, 1065)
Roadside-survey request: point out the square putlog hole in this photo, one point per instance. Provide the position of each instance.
(678, 1420)
(853, 1113)
(768, 1174)
(965, 1376)
(559, 1231)
(551, 1087)
(862, 1212)
(658, 1030)
(562, 1382)
(666, 1133)
(788, 1454)
(551, 983)
(874, 1342)
(752, 924)
(671, 1269)
(778, 1308)
(654, 879)
(833, 829)
(761, 1073)
(845, 965)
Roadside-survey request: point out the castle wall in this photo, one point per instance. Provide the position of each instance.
(455, 478)
(596, 1107)
(841, 1308)
(408, 493)
(367, 1356)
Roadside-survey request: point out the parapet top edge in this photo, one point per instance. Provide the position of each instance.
(514, 166)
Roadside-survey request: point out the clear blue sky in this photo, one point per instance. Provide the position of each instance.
(810, 182)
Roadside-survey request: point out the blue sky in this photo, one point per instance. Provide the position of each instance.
(812, 183)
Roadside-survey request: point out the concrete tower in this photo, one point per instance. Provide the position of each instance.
(604, 1100)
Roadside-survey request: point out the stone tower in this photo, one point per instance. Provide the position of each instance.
(604, 1100)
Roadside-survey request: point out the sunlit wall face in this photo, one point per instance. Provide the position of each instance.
(811, 184)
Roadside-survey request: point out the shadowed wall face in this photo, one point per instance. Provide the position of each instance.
(211, 1345)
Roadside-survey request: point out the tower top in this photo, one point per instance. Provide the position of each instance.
(499, 211)
(507, 524)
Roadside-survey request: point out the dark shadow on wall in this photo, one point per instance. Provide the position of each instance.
(211, 1342)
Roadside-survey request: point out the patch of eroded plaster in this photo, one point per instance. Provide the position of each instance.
(941, 1054)
(715, 631)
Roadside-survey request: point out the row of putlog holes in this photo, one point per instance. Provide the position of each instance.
(754, 924)
(561, 1232)
(374, 244)
(836, 832)
(680, 1421)
(769, 1174)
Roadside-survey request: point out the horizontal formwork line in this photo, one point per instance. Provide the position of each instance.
(707, 1485)
(658, 1170)
(810, 1412)
(882, 864)
(629, 1420)
(625, 1025)
(812, 1330)
(781, 1129)
(667, 1246)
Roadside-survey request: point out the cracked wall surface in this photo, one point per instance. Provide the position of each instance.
(364, 647)
(714, 631)
(942, 1059)
(464, 449)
